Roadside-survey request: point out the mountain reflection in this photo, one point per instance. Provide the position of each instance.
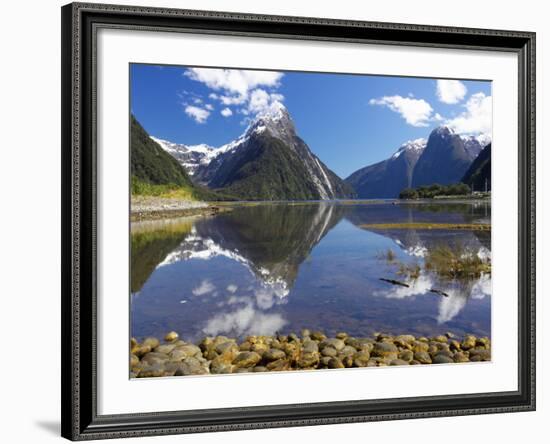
(271, 241)
(267, 268)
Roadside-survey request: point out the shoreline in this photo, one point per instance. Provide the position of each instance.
(310, 351)
(144, 208)
(147, 208)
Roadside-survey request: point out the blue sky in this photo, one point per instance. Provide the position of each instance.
(348, 121)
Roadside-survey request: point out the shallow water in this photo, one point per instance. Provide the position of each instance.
(271, 268)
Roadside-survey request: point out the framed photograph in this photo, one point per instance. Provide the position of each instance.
(280, 221)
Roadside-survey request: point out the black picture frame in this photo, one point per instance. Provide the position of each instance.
(80, 22)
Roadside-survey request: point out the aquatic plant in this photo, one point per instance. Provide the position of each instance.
(456, 262)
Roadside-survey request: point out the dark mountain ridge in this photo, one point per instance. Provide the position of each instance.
(478, 176)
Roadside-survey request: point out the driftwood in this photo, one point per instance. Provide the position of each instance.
(403, 284)
(394, 282)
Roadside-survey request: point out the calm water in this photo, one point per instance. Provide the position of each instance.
(284, 267)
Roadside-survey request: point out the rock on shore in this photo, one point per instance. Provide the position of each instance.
(311, 350)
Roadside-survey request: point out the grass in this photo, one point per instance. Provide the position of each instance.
(410, 271)
(389, 256)
(179, 192)
(456, 262)
(427, 226)
(142, 188)
(448, 262)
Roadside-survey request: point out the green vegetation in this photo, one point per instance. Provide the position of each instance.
(410, 271)
(456, 262)
(269, 171)
(151, 164)
(435, 190)
(478, 176)
(157, 173)
(447, 261)
(142, 188)
(427, 226)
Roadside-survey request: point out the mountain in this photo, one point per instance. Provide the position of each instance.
(386, 179)
(150, 163)
(474, 144)
(445, 159)
(478, 176)
(268, 162)
(189, 156)
(442, 158)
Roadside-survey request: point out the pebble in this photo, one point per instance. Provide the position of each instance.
(311, 350)
(247, 359)
(442, 359)
(172, 336)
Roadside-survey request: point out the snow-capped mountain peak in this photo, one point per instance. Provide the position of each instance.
(443, 131)
(189, 156)
(219, 167)
(275, 120)
(416, 145)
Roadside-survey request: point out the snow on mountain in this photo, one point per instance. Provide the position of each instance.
(475, 143)
(205, 163)
(411, 145)
(189, 156)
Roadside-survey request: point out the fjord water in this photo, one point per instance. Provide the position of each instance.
(282, 267)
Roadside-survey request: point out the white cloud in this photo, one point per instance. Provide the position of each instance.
(261, 100)
(209, 107)
(477, 117)
(226, 112)
(235, 81)
(200, 115)
(416, 112)
(205, 287)
(450, 91)
(233, 100)
(232, 288)
(247, 90)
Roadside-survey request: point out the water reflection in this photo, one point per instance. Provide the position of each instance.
(278, 268)
(417, 243)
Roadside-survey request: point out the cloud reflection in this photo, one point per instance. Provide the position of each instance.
(244, 321)
(448, 307)
(205, 287)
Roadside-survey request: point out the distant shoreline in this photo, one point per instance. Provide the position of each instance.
(155, 208)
